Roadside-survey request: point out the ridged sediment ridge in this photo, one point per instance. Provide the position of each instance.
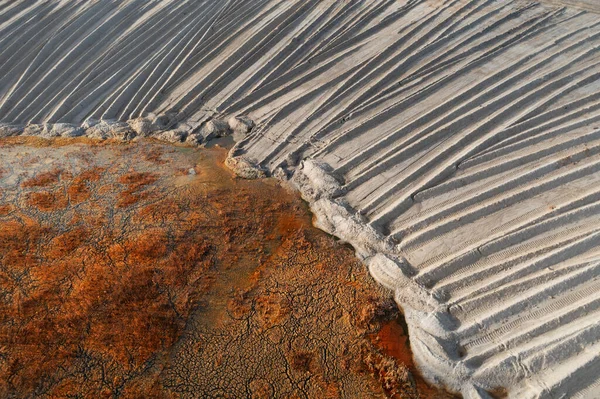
(454, 143)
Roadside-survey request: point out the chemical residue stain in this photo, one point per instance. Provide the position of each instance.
(146, 270)
(392, 339)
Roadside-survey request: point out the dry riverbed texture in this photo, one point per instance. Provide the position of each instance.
(143, 270)
(455, 144)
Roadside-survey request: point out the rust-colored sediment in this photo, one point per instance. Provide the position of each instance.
(392, 339)
(143, 270)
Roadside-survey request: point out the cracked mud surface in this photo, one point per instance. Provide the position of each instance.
(144, 270)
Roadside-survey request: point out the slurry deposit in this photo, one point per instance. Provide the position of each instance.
(455, 144)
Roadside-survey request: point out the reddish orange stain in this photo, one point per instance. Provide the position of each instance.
(392, 340)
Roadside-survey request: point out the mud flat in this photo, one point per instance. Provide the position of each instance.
(455, 144)
(144, 270)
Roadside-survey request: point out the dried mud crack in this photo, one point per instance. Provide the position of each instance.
(145, 270)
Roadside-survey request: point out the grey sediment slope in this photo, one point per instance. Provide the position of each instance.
(455, 144)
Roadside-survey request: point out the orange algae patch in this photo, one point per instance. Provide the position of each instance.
(78, 190)
(92, 306)
(43, 179)
(138, 279)
(89, 307)
(135, 182)
(5, 209)
(48, 201)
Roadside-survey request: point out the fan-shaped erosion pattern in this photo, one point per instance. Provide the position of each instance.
(454, 143)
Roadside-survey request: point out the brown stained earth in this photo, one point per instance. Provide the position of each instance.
(142, 270)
